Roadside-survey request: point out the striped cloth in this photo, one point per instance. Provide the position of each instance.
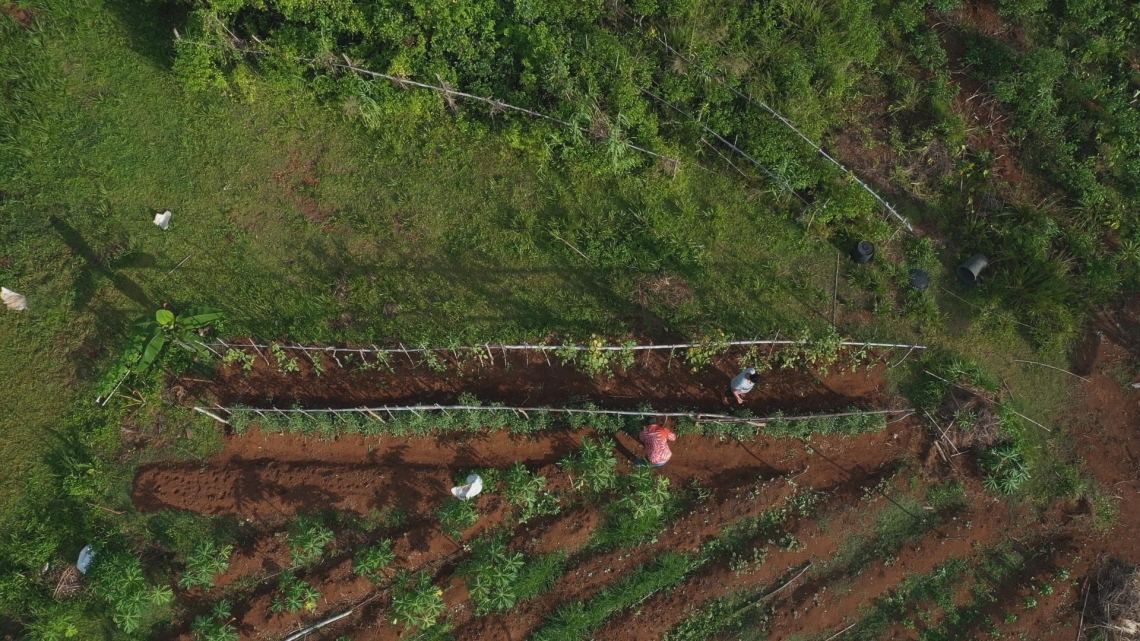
(656, 440)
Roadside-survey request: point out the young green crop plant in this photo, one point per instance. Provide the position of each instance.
(239, 356)
(118, 578)
(307, 539)
(285, 364)
(592, 467)
(1005, 468)
(492, 574)
(525, 491)
(456, 516)
(371, 561)
(203, 563)
(294, 595)
(416, 603)
(215, 626)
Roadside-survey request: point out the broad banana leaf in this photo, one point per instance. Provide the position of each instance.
(197, 317)
(164, 317)
(153, 349)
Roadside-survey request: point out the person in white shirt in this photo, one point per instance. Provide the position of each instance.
(741, 384)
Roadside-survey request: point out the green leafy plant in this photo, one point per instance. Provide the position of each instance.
(294, 595)
(415, 601)
(593, 466)
(491, 575)
(1004, 467)
(525, 491)
(215, 626)
(285, 364)
(179, 329)
(118, 578)
(703, 351)
(307, 538)
(456, 516)
(643, 505)
(371, 561)
(240, 356)
(205, 561)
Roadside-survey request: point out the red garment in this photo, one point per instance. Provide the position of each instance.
(656, 440)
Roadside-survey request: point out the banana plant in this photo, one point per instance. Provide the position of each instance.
(168, 328)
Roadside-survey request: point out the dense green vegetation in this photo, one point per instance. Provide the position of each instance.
(312, 203)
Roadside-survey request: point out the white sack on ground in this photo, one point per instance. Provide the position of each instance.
(13, 300)
(473, 487)
(163, 219)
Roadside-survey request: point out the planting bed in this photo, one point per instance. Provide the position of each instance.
(657, 378)
(795, 538)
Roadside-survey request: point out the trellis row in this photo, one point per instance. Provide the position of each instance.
(542, 347)
(374, 412)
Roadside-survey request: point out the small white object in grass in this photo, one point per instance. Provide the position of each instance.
(163, 219)
(86, 556)
(1136, 385)
(472, 489)
(14, 301)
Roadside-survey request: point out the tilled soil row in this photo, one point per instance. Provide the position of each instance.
(292, 474)
(827, 600)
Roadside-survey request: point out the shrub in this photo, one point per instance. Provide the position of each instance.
(415, 601)
(203, 563)
(371, 561)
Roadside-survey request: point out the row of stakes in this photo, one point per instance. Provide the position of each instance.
(968, 272)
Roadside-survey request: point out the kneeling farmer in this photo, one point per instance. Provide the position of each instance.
(656, 440)
(741, 384)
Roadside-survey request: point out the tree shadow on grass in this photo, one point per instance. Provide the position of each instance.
(95, 266)
(151, 27)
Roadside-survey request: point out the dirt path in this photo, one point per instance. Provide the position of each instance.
(656, 379)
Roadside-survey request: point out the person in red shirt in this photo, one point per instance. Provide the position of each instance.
(656, 439)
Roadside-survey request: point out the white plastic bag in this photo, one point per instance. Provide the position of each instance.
(163, 220)
(14, 301)
(472, 489)
(86, 556)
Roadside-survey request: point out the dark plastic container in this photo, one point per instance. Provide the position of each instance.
(863, 252)
(918, 279)
(969, 271)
